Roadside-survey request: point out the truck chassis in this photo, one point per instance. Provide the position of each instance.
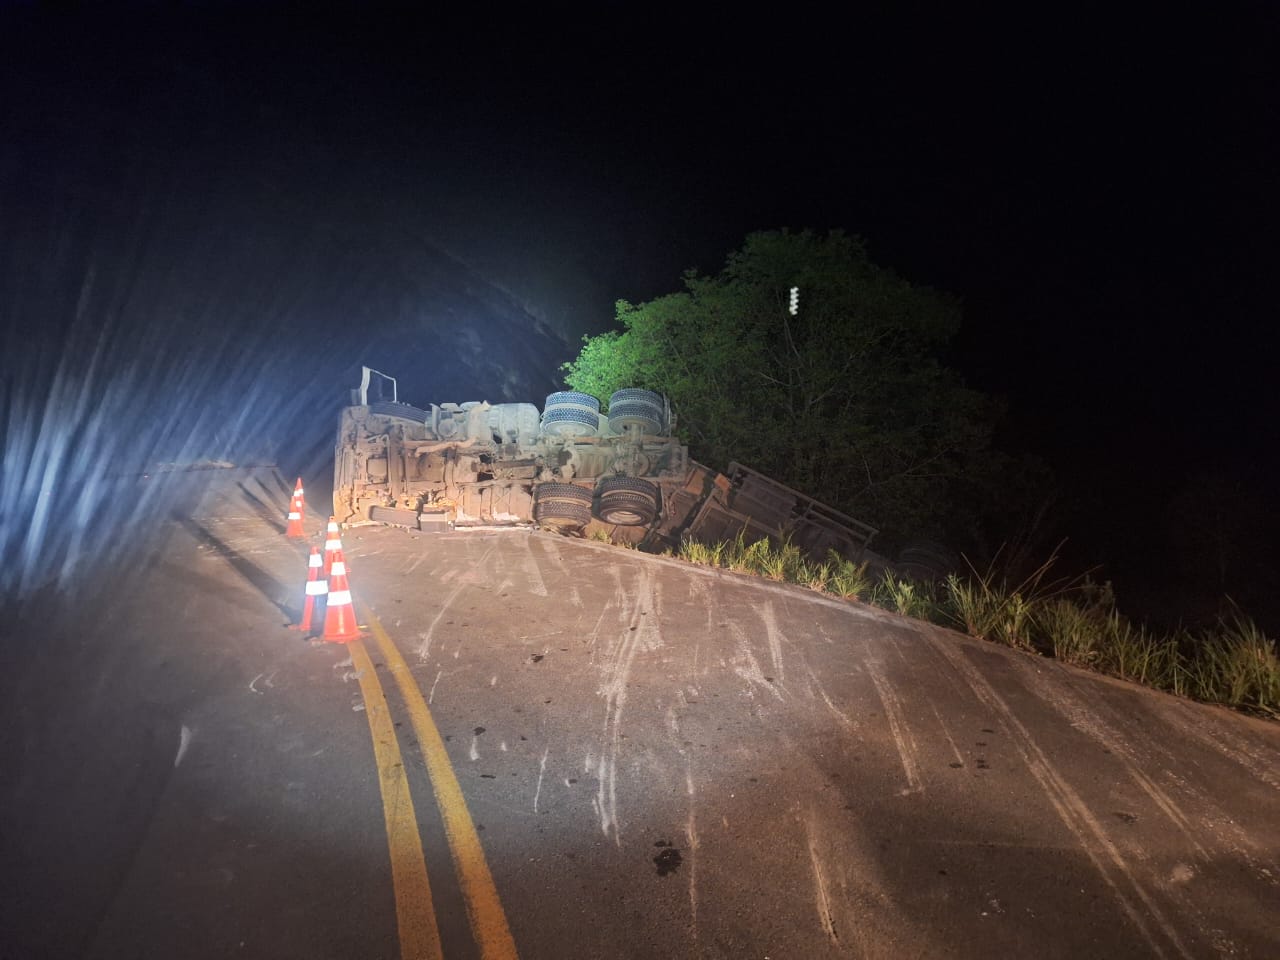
(568, 468)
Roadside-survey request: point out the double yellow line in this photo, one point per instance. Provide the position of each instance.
(415, 914)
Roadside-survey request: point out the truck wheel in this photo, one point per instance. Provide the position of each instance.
(571, 414)
(636, 409)
(564, 421)
(627, 501)
(635, 393)
(562, 506)
(572, 398)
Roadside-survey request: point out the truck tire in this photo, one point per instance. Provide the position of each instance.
(636, 413)
(562, 506)
(635, 393)
(570, 422)
(571, 414)
(627, 501)
(572, 398)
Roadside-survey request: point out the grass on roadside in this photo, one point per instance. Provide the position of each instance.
(1072, 620)
(782, 562)
(1237, 664)
(849, 580)
(991, 609)
(1070, 630)
(908, 597)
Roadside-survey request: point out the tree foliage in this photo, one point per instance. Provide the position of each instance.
(846, 400)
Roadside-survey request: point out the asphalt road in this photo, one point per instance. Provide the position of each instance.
(598, 753)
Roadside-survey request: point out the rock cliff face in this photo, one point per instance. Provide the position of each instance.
(444, 331)
(198, 259)
(214, 320)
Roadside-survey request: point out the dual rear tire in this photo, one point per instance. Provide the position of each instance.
(624, 501)
(636, 409)
(627, 501)
(562, 506)
(571, 414)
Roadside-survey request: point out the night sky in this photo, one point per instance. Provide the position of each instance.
(1100, 190)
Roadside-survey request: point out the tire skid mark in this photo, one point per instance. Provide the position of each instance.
(691, 837)
(902, 736)
(775, 638)
(566, 577)
(822, 899)
(1071, 809)
(847, 721)
(640, 619)
(1073, 708)
(947, 733)
(701, 596)
(746, 666)
(184, 741)
(897, 651)
(537, 585)
(1240, 752)
(593, 634)
(424, 649)
(808, 679)
(499, 567)
(542, 771)
(691, 823)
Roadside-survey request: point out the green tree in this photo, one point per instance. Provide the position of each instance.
(846, 400)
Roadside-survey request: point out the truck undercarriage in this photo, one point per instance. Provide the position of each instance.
(569, 468)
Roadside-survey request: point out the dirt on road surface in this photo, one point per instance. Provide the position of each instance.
(653, 759)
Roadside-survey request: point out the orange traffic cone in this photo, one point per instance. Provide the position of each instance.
(296, 509)
(316, 587)
(340, 613)
(332, 545)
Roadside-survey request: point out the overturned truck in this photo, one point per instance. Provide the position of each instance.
(569, 468)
